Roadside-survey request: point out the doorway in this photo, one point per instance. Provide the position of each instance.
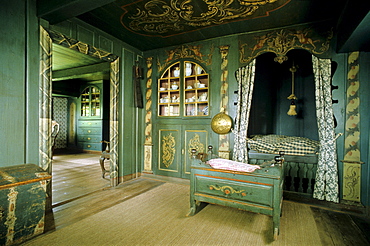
(47, 39)
(76, 169)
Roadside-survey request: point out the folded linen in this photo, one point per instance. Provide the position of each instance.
(224, 164)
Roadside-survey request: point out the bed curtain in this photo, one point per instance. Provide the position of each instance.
(326, 183)
(245, 77)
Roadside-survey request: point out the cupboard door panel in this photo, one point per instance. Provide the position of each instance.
(169, 152)
(194, 139)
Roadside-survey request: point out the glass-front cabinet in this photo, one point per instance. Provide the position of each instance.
(183, 90)
(91, 124)
(183, 117)
(90, 102)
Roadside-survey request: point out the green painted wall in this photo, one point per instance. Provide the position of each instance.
(365, 125)
(19, 83)
(339, 79)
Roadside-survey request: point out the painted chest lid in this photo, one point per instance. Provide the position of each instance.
(21, 174)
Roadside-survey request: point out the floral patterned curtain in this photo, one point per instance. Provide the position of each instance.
(326, 185)
(245, 77)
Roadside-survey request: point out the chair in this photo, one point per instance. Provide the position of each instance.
(54, 133)
(105, 155)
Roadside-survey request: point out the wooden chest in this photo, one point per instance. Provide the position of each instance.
(259, 191)
(22, 202)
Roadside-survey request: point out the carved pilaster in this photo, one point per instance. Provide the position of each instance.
(148, 145)
(224, 141)
(352, 162)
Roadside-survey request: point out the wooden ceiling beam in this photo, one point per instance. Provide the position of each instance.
(56, 11)
(78, 71)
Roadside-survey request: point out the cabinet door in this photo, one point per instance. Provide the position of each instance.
(175, 145)
(196, 137)
(169, 155)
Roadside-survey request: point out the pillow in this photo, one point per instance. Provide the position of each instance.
(272, 144)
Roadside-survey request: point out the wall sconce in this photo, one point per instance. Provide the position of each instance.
(292, 97)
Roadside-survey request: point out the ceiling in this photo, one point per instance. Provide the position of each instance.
(153, 24)
(71, 69)
(69, 64)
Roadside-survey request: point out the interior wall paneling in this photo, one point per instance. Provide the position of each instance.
(13, 53)
(365, 128)
(32, 75)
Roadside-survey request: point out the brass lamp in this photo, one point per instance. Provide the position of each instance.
(292, 97)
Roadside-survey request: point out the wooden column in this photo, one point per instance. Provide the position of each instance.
(224, 140)
(352, 162)
(148, 145)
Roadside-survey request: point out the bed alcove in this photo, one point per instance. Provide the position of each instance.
(272, 86)
(268, 114)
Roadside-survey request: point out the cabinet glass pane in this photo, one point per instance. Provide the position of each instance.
(183, 86)
(90, 102)
(196, 90)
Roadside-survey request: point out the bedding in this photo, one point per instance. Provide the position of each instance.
(273, 144)
(230, 165)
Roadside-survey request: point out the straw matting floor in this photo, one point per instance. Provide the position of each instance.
(158, 217)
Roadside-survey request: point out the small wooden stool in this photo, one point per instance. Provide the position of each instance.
(105, 155)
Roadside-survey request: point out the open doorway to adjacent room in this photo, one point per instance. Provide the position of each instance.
(80, 107)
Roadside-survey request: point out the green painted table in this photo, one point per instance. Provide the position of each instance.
(259, 191)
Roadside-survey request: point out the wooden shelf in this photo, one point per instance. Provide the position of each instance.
(188, 77)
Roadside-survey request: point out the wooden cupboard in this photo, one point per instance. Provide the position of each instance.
(183, 118)
(92, 120)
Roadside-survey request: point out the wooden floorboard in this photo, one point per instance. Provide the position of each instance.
(337, 228)
(75, 175)
(79, 191)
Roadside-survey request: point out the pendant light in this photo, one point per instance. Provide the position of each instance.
(292, 97)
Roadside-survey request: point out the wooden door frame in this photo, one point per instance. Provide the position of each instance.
(47, 38)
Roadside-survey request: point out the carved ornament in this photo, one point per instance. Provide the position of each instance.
(168, 17)
(168, 150)
(186, 51)
(282, 41)
(195, 143)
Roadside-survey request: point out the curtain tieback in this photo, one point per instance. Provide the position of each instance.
(334, 139)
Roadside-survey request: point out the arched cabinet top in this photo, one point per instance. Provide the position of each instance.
(183, 90)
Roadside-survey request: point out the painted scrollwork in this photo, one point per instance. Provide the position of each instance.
(195, 143)
(168, 150)
(282, 41)
(186, 51)
(164, 16)
(226, 189)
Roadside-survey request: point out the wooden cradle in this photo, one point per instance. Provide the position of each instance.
(259, 191)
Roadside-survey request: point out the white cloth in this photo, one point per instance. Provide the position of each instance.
(224, 164)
